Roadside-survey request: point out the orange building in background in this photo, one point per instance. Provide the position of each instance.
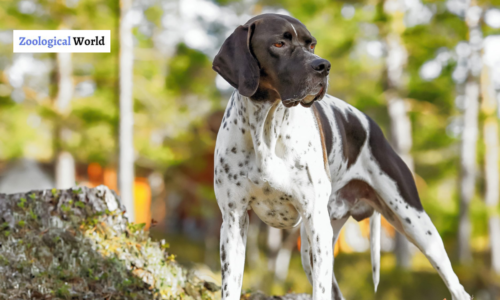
(96, 176)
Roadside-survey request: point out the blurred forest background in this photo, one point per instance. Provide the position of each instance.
(143, 120)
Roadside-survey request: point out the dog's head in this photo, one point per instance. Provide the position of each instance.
(272, 57)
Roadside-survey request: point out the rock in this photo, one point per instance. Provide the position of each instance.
(211, 286)
(262, 296)
(77, 242)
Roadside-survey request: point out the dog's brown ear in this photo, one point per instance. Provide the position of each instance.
(236, 63)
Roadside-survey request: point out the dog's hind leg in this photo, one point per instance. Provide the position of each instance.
(420, 230)
(427, 239)
(399, 203)
(233, 237)
(416, 225)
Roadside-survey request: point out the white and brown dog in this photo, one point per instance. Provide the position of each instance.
(319, 163)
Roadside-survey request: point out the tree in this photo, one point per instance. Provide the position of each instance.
(285, 254)
(126, 135)
(398, 108)
(65, 163)
(491, 161)
(467, 72)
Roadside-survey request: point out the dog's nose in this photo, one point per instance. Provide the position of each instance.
(321, 66)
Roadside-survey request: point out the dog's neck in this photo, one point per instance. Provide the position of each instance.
(272, 130)
(266, 119)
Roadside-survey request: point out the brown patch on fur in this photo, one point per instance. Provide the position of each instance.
(323, 144)
(266, 90)
(357, 190)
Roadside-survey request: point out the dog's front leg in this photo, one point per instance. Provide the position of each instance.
(233, 239)
(304, 252)
(319, 231)
(337, 227)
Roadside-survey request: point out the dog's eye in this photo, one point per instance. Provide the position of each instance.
(279, 45)
(312, 46)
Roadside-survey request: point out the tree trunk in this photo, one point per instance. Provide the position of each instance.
(491, 194)
(126, 150)
(65, 81)
(470, 131)
(211, 242)
(491, 172)
(274, 240)
(402, 141)
(468, 168)
(285, 254)
(253, 255)
(65, 170)
(65, 164)
(401, 135)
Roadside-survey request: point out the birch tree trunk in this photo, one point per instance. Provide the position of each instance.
(401, 135)
(211, 242)
(468, 168)
(491, 172)
(274, 241)
(253, 255)
(402, 141)
(65, 164)
(470, 132)
(285, 254)
(126, 144)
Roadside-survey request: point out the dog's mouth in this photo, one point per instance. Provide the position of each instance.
(308, 100)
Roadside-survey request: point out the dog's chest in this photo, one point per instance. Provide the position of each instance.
(270, 160)
(273, 206)
(246, 183)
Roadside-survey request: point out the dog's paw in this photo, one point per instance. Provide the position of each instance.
(462, 295)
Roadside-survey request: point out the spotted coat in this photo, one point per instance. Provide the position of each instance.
(315, 166)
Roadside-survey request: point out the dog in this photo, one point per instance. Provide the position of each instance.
(316, 164)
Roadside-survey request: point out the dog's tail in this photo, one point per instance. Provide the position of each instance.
(375, 247)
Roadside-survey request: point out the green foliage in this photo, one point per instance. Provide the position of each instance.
(190, 71)
(136, 227)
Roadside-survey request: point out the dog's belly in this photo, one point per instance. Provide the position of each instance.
(275, 209)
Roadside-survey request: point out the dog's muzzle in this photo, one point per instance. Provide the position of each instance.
(308, 100)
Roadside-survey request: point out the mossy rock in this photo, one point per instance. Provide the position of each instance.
(77, 244)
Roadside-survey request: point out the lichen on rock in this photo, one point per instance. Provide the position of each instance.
(77, 243)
